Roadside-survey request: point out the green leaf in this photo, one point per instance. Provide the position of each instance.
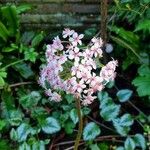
(69, 127)
(3, 74)
(110, 112)
(13, 135)
(50, 125)
(31, 55)
(23, 8)
(140, 141)
(2, 124)
(94, 147)
(126, 35)
(144, 70)
(24, 70)
(124, 95)
(4, 33)
(129, 144)
(103, 146)
(10, 13)
(126, 45)
(2, 82)
(74, 116)
(69, 98)
(126, 1)
(37, 39)
(91, 131)
(30, 100)
(5, 145)
(143, 25)
(142, 82)
(143, 85)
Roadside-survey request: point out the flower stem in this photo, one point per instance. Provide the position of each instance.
(78, 138)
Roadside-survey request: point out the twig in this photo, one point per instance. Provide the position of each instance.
(100, 124)
(19, 84)
(101, 138)
(137, 108)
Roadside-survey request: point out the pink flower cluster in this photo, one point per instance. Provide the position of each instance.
(82, 79)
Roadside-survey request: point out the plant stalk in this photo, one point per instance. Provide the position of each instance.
(80, 128)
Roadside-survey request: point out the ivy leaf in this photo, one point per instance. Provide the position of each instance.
(22, 132)
(15, 117)
(120, 148)
(91, 131)
(140, 141)
(24, 146)
(30, 100)
(124, 95)
(102, 96)
(110, 112)
(74, 116)
(122, 125)
(126, 120)
(50, 125)
(38, 145)
(129, 144)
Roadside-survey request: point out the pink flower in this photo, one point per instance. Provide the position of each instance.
(79, 86)
(76, 39)
(108, 72)
(97, 41)
(88, 99)
(96, 50)
(57, 44)
(67, 32)
(76, 71)
(62, 59)
(97, 84)
(87, 54)
(55, 97)
(74, 54)
(82, 80)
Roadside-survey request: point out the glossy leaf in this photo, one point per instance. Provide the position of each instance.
(140, 141)
(50, 125)
(129, 144)
(124, 95)
(91, 131)
(74, 116)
